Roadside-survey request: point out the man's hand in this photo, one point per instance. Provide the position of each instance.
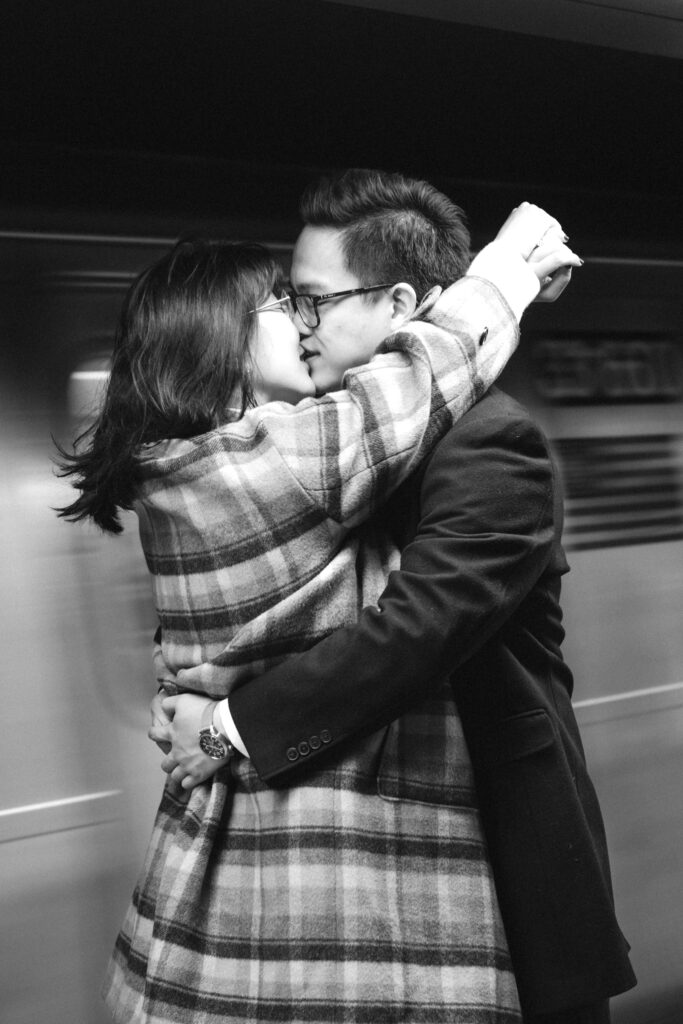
(185, 762)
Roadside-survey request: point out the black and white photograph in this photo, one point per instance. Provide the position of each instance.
(341, 391)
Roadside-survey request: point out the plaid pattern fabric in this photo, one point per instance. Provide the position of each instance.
(362, 894)
(245, 528)
(335, 900)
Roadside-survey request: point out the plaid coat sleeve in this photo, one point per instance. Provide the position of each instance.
(265, 502)
(351, 448)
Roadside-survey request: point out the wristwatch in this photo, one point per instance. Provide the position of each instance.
(211, 741)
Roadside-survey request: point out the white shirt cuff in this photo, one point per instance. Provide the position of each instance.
(229, 727)
(507, 269)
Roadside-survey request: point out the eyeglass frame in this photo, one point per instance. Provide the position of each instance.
(291, 296)
(316, 300)
(268, 307)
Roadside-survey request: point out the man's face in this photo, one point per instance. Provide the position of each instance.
(350, 328)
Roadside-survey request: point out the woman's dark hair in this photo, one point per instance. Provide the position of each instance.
(181, 361)
(393, 228)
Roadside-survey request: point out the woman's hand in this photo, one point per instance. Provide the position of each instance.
(525, 227)
(539, 238)
(185, 763)
(552, 262)
(158, 731)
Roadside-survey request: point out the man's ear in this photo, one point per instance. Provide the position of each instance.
(404, 303)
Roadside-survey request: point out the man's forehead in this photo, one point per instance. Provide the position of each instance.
(318, 262)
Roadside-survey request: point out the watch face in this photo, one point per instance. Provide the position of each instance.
(212, 745)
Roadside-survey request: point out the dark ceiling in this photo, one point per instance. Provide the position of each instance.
(159, 102)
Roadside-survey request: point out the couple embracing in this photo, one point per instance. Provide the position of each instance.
(377, 806)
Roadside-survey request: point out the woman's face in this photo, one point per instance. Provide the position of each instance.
(280, 374)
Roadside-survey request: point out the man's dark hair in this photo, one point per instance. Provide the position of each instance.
(393, 228)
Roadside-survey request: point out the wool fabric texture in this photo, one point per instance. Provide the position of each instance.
(363, 892)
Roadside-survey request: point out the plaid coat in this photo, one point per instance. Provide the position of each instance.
(363, 893)
(246, 529)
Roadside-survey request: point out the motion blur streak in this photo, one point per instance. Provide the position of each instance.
(602, 369)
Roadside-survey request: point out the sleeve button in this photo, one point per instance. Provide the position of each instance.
(315, 742)
(292, 754)
(304, 748)
(326, 736)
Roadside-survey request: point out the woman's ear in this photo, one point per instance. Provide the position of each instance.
(404, 304)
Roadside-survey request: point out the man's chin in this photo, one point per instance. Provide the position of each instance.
(325, 382)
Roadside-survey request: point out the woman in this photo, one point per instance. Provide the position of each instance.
(245, 505)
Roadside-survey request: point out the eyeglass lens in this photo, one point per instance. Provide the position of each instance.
(305, 307)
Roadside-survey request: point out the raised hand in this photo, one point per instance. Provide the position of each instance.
(552, 262)
(539, 239)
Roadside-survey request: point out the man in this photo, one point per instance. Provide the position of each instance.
(477, 596)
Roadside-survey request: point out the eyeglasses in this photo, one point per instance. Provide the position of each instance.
(307, 305)
(283, 305)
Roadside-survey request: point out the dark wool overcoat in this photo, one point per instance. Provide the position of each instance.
(479, 593)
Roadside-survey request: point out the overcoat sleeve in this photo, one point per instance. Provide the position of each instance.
(484, 537)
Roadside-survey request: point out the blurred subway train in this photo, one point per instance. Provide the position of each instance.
(603, 371)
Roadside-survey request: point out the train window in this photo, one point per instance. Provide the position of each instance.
(604, 368)
(86, 389)
(621, 490)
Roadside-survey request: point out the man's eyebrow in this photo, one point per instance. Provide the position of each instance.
(309, 287)
(312, 286)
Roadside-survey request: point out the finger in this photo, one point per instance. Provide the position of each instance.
(168, 707)
(551, 238)
(177, 791)
(552, 243)
(526, 227)
(156, 736)
(178, 774)
(557, 283)
(159, 731)
(534, 216)
(168, 764)
(542, 221)
(546, 262)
